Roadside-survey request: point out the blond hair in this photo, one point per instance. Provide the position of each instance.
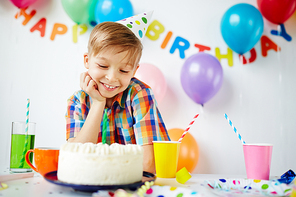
(111, 34)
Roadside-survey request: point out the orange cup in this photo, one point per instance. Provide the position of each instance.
(46, 160)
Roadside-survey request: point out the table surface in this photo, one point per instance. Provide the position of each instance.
(38, 186)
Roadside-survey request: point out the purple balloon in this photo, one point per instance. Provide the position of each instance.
(201, 77)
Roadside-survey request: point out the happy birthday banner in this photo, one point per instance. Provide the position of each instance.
(154, 31)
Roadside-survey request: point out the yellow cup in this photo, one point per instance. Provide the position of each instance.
(166, 155)
(293, 194)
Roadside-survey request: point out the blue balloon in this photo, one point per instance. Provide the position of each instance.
(113, 10)
(242, 27)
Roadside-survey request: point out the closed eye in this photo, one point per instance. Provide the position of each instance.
(124, 71)
(102, 66)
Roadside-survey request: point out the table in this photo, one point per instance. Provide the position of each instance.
(37, 186)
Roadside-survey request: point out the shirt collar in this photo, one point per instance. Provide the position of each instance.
(120, 98)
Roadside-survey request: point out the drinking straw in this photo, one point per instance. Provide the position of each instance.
(189, 126)
(234, 129)
(26, 137)
(105, 119)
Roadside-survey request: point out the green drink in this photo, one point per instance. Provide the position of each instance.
(17, 147)
(18, 140)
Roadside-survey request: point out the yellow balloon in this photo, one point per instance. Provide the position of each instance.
(189, 152)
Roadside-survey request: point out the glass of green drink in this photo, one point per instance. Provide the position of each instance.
(20, 144)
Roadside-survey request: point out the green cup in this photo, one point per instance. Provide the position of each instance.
(18, 149)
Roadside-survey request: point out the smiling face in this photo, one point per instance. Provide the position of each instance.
(111, 71)
(113, 56)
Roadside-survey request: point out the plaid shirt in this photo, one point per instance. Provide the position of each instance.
(132, 119)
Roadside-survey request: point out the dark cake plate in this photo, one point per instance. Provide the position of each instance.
(52, 178)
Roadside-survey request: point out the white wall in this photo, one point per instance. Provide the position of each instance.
(258, 97)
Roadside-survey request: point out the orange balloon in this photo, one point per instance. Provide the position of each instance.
(189, 152)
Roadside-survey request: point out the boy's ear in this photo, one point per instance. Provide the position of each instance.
(136, 70)
(86, 59)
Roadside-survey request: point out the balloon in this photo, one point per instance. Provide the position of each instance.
(189, 152)
(277, 11)
(152, 76)
(201, 77)
(92, 9)
(113, 10)
(22, 3)
(242, 27)
(80, 11)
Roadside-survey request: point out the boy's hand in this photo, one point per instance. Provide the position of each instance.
(90, 87)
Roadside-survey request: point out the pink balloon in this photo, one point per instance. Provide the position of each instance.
(22, 3)
(152, 76)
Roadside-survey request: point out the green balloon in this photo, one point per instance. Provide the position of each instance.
(91, 10)
(80, 11)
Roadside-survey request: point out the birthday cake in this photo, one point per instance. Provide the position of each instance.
(100, 164)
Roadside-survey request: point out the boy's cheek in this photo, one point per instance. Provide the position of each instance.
(94, 73)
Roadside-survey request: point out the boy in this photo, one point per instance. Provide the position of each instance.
(114, 52)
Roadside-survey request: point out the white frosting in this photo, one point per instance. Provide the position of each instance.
(100, 164)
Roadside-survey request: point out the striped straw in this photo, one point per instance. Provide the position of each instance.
(26, 137)
(234, 129)
(187, 129)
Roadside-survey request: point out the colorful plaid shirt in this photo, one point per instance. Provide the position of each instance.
(132, 119)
